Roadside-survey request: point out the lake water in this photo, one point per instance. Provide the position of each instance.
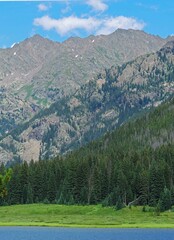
(34, 233)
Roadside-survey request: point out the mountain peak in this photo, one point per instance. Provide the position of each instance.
(37, 36)
(37, 39)
(121, 30)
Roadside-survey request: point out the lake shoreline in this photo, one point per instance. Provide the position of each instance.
(116, 226)
(74, 216)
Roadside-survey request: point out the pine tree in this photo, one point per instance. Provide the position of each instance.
(119, 204)
(51, 192)
(144, 188)
(24, 181)
(156, 184)
(29, 194)
(123, 186)
(172, 195)
(165, 199)
(14, 187)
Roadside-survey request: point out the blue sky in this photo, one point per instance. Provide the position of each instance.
(61, 19)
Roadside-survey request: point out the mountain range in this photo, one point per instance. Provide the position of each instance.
(56, 97)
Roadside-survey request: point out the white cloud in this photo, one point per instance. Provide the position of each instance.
(67, 25)
(67, 8)
(97, 5)
(111, 24)
(42, 7)
(151, 7)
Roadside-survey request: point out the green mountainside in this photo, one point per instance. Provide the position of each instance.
(132, 165)
(99, 106)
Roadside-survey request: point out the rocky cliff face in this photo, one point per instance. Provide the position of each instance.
(37, 72)
(100, 105)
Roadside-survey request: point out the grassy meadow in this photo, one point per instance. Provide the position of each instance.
(82, 216)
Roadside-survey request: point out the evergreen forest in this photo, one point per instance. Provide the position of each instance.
(131, 165)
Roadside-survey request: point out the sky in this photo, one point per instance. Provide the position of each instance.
(61, 19)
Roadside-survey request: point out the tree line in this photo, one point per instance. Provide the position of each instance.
(92, 178)
(134, 164)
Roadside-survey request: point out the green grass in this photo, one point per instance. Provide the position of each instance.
(82, 216)
(41, 101)
(28, 89)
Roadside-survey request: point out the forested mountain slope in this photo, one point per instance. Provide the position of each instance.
(99, 106)
(132, 165)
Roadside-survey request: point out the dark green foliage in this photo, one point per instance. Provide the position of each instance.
(5, 176)
(158, 208)
(82, 178)
(156, 184)
(144, 209)
(172, 195)
(14, 187)
(165, 199)
(46, 201)
(29, 194)
(119, 204)
(121, 168)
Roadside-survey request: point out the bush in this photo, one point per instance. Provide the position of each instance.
(46, 201)
(158, 208)
(105, 202)
(119, 204)
(144, 209)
